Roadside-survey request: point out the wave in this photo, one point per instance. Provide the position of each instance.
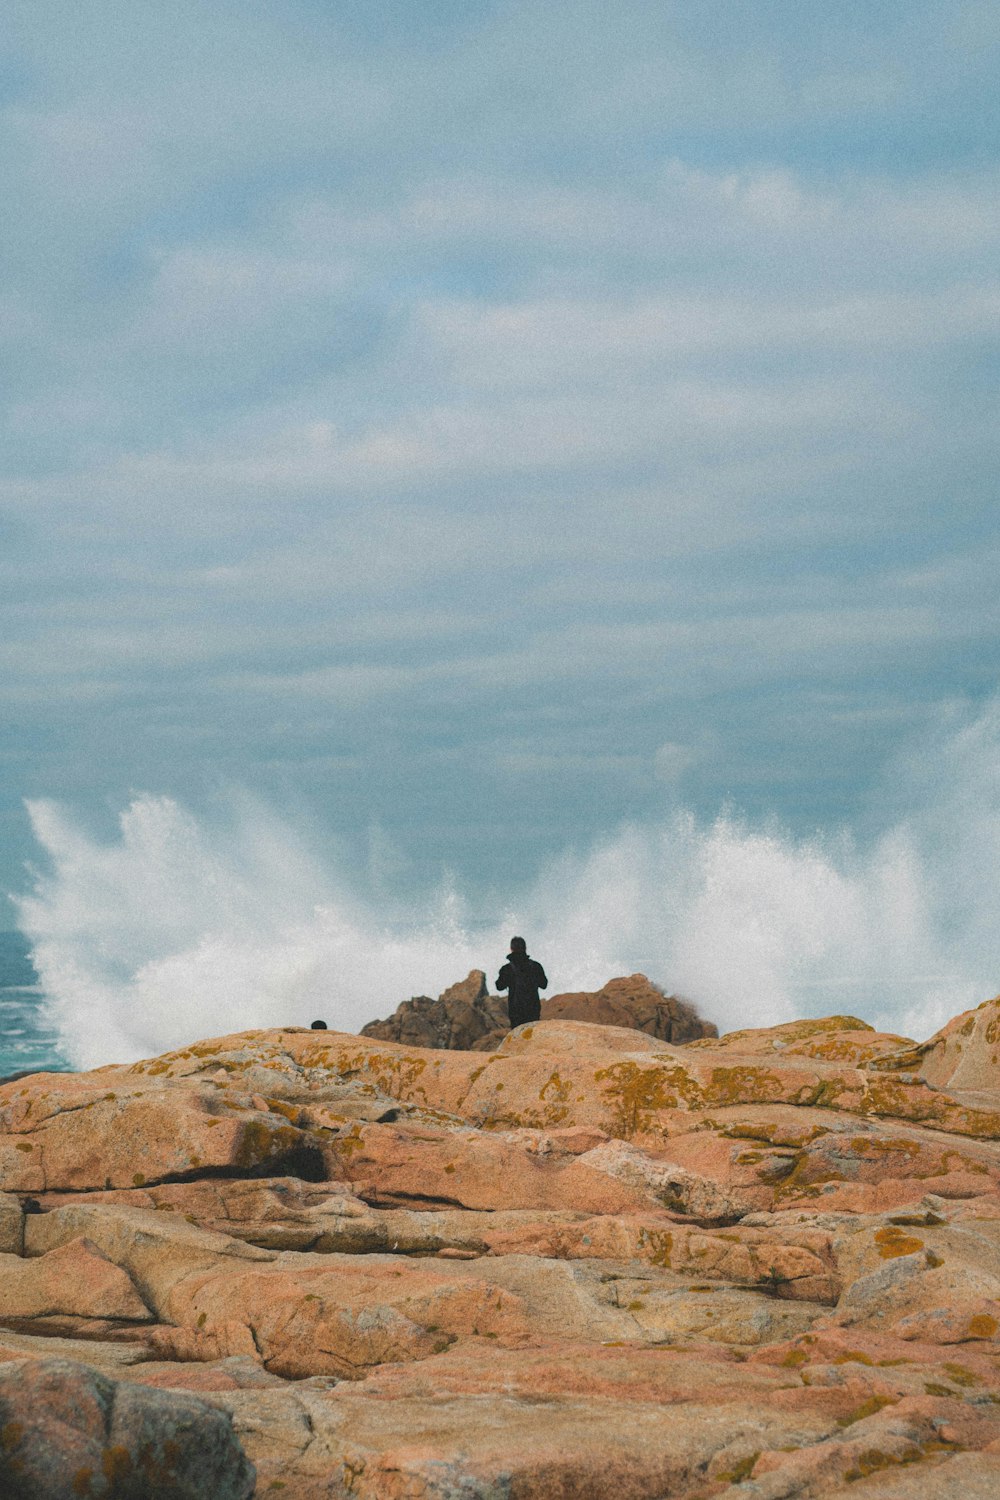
(184, 927)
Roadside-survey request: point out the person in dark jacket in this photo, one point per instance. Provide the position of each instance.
(522, 977)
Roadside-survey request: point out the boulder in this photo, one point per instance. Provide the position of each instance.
(67, 1431)
(633, 1002)
(965, 1054)
(465, 1017)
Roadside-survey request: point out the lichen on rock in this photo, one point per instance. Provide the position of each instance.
(755, 1265)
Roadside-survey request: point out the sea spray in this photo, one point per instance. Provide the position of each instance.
(183, 927)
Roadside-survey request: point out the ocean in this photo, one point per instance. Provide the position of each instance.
(188, 926)
(28, 1042)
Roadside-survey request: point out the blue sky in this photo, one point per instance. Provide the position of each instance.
(468, 427)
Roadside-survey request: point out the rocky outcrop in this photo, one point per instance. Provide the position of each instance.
(467, 1018)
(964, 1055)
(592, 1261)
(635, 1003)
(464, 1018)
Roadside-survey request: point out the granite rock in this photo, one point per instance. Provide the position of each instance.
(591, 1261)
(466, 1017)
(68, 1431)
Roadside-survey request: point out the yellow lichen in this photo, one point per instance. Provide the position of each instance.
(289, 1111)
(866, 1409)
(634, 1095)
(741, 1470)
(660, 1243)
(873, 1459)
(892, 1242)
(116, 1463)
(258, 1142)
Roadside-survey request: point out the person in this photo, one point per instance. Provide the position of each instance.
(318, 1026)
(522, 977)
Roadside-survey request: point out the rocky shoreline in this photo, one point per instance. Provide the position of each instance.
(467, 1018)
(588, 1262)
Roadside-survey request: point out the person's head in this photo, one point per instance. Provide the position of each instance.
(319, 1026)
(518, 945)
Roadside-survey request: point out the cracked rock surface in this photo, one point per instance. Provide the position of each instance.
(589, 1262)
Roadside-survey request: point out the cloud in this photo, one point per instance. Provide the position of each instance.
(382, 396)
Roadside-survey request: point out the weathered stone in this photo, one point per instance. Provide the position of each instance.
(830, 1038)
(635, 1003)
(429, 1272)
(11, 1225)
(75, 1279)
(66, 1432)
(464, 1017)
(83, 1133)
(965, 1054)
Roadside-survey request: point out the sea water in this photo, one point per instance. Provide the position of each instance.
(183, 925)
(28, 1039)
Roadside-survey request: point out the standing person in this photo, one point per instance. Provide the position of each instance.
(522, 977)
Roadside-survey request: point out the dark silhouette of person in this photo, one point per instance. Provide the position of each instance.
(318, 1026)
(522, 977)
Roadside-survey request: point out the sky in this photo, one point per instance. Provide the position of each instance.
(472, 428)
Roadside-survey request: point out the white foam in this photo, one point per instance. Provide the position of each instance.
(182, 929)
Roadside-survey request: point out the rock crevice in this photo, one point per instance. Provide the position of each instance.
(589, 1227)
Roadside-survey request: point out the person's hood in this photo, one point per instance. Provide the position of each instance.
(518, 958)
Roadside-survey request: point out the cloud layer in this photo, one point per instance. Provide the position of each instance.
(492, 419)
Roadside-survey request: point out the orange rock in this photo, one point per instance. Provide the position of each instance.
(841, 1039)
(634, 1003)
(965, 1054)
(358, 1248)
(412, 1165)
(463, 1017)
(75, 1279)
(83, 1134)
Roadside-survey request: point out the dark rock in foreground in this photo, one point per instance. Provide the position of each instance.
(68, 1431)
(466, 1018)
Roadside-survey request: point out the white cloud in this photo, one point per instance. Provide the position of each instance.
(362, 377)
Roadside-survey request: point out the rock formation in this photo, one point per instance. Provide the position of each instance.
(467, 1018)
(464, 1018)
(68, 1430)
(634, 1002)
(589, 1263)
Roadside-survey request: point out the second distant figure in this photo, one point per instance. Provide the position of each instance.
(522, 977)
